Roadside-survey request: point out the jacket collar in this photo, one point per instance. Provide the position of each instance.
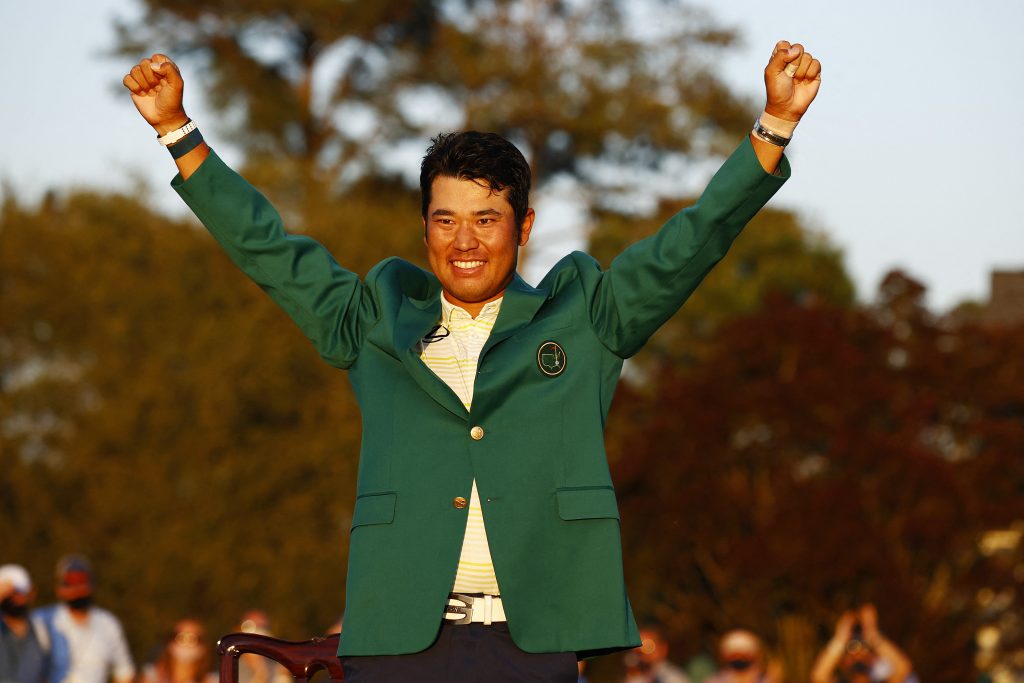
(518, 308)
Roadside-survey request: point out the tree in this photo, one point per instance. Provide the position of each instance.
(820, 457)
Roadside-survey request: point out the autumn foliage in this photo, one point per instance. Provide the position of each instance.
(822, 457)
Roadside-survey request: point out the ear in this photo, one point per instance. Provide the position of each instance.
(524, 231)
(424, 219)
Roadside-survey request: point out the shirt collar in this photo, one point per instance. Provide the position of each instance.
(488, 312)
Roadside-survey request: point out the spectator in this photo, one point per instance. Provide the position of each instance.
(859, 653)
(649, 663)
(742, 659)
(24, 656)
(184, 657)
(86, 642)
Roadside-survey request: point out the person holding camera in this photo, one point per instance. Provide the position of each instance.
(859, 653)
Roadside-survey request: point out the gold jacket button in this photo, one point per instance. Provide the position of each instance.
(459, 502)
(477, 433)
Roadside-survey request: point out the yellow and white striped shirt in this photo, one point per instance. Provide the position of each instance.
(454, 359)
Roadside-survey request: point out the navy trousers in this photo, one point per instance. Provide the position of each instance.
(465, 653)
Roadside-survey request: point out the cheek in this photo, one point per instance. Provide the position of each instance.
(435, 245)
(503, 246)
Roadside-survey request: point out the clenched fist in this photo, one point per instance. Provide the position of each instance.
(791, 80)
(157, 90)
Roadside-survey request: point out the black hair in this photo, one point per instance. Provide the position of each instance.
(487, 157)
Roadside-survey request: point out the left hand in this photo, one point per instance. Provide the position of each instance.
(790, 96)
(869, 623)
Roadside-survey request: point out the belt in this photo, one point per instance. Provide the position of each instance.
(473, 609)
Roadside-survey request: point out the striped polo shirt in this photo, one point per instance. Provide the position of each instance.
(453, 358)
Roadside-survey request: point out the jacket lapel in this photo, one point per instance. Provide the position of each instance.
(518, 307)
(415, 318)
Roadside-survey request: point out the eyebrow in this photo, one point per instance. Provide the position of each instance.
(481, 212)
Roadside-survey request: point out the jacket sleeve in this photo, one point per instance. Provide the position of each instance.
(328, 302)
(648, 282)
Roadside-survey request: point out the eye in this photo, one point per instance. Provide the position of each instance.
(485, 221)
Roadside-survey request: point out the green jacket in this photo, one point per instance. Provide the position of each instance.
(548, 503)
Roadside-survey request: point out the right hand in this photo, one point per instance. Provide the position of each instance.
(157, 90)
(844, 627)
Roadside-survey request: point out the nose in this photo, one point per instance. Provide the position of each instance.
(465, 238)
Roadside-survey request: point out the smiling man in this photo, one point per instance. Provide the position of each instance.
(475, 189)
(485, 535)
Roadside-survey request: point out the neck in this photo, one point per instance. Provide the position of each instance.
(79, 615)
(18, 625)
(183, 672)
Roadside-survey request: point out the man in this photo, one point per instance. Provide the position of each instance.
(24, 657)
(87, 642)
(485, 535)
(741, 659)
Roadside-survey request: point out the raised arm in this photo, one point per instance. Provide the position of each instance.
(827, 660)
(328, 302)
(648, 282)
(900, 664)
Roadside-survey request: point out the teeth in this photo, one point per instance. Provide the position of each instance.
(468, 264)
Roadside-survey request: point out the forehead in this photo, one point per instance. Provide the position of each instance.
(453, 194)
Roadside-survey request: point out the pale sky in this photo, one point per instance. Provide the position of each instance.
(907, 159)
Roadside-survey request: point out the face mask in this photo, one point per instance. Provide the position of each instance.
(13, 609)
(80, 604)
(740, 664)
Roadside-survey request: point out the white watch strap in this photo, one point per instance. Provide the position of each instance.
(177, 134)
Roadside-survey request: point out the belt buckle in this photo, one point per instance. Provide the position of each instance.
(466, 610)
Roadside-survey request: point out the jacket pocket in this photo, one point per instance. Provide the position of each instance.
(555, 322)
(374, 508)
(587, 503)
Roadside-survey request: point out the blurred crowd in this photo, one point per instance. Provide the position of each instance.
(76, 641)
(856, 653)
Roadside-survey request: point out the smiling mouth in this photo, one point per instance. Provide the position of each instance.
(467, 265)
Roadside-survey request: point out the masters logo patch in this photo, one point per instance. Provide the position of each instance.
(551, 359)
